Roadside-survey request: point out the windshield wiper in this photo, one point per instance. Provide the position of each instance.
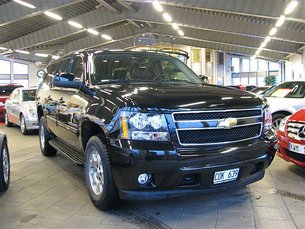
(113, 81)
(176, 81)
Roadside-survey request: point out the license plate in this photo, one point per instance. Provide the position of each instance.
(296, 148)
(225, 176)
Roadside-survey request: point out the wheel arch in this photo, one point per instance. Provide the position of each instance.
(284, 112)
(89, 129)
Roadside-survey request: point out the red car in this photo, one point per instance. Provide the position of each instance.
(5, 91)
(291, 138)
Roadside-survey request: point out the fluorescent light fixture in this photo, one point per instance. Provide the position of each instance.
(106, 37)
(175, 26)
(3, 48)
(92, 31)
(273, 31)
(263, 45)
(53, 15)
(158, 6)
(41, 54)
(55, 57)
(280, 21)
(180, 32)
(75, 24)
(290, 7)
(167, 17)
(267, 39)
(23, 51)
(25, 4)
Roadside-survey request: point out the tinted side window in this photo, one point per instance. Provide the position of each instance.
(77, 68)
(52, 68)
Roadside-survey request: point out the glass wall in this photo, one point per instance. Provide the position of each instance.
(14, 73)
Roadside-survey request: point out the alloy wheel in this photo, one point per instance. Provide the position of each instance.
(6, 165)
(42, 137)
(96, 172)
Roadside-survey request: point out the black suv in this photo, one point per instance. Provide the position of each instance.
(146, 127)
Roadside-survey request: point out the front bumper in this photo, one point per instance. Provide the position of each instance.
(174, 176)
(32, 124)
(283, 151)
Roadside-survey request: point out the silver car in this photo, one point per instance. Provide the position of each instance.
(21, 110)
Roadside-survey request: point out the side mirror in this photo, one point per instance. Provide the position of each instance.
(204, 78)
(65, 76)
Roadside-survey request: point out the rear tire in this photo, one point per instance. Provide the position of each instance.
(23, 129)
(276, 120)
(7, 121)
(4, 166)
(44, 138)
(98, 175)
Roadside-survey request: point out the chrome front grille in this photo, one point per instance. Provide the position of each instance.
(294, 129)
(203, 127)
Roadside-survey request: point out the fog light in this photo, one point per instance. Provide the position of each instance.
(144, 178)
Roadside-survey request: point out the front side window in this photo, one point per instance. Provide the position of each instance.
(287, 90)
(77, 68)
(134, 67)
(63, 66)
(28, 95)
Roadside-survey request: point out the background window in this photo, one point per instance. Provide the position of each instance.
(20, 69)
(235, 64)
(5, 67)
(245, 65)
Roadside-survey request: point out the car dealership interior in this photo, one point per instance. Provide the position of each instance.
(152, 114)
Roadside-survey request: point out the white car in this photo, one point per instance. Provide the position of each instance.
(20, 109)
(285, 99)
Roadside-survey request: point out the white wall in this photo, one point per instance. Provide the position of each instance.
(295, 69)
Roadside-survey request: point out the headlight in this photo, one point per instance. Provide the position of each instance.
(268, 119)
(283, 123)
(144, 126)
(32, 112)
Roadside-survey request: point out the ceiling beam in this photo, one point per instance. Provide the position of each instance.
(193, 34)
(109, 6)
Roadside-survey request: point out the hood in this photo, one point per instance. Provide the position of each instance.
(299, 116)
(178, 96)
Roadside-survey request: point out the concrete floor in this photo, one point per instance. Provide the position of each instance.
(51, 193)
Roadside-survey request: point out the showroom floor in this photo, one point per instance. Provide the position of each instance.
(50, 193)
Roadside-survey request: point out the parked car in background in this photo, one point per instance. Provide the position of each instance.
(291, 138)
(240, 87)
(250, 87)
(20, 109)
(259, 90)
(5, 91)
(285, 99)
(4, 163)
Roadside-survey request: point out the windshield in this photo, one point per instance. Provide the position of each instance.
(287, 90)
(6, 90)
(28, 95)
(139, 67)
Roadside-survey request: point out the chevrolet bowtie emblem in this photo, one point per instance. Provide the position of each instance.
(228, 123)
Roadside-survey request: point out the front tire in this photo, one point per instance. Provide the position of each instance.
(44, 138)
(98, 175)
(23, 128)
(7, 121)
(4, 166)
(276, 120)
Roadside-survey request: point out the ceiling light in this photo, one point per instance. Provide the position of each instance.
(106, 37)
(55, 57)
(158, 6)
(290, 7)
(25, 4)
(53, 15)
(273, 31)
(3, 48)
(92, 31)
(167, 17)
(41, 54)
(267, 39)
(180, 32)
(23, 51)
(75, 24)
(280, 21)
(175, 26)
(263, 45)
